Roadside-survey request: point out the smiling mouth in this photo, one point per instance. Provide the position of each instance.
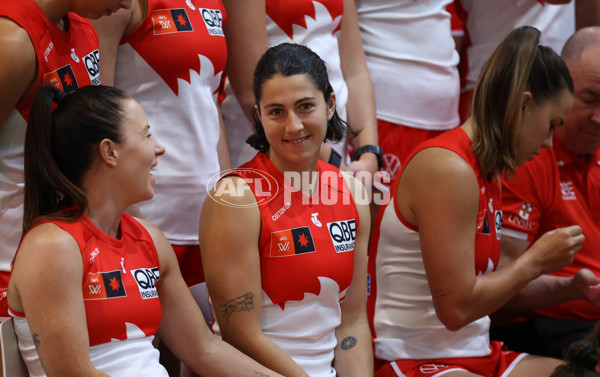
(296, 141)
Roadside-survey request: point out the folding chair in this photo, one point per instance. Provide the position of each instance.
(12, 363)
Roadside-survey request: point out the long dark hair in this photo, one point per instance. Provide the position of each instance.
(517, 65)
(61, 140)
(582, 359)
(288, 59)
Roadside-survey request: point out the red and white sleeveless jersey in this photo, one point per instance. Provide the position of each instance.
(402, 317)
(172, 65)
(122, 306)
(306, 259)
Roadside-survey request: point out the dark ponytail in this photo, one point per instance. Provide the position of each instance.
(582, 360)
(61, 143)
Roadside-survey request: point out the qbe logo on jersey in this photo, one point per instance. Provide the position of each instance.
(213, 19)
(92, 65)
(146, 279)
(343, 234)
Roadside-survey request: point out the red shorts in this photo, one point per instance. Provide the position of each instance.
(397, 141)
(498, 363)
(190, 263)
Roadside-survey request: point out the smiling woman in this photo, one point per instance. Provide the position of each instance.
(289, 288)
(91, 285)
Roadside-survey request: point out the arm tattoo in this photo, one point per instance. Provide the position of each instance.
(238, 304)
(36, 341)
(261, 374)
(440, 293)
(348, 343)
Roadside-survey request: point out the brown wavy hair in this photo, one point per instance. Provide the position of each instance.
(518, 64)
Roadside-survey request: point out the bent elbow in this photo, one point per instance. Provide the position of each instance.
(452, 319)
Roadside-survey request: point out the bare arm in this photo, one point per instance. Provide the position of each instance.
(361, 96)
(46, 285)
(438, 178)
(354, 351)
(19, 66)
(110, 31)
(246, 36)
(232, 271)
(547, 289)
(183, 328)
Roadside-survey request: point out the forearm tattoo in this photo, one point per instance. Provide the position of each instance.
(238, 304)
(260, 374)
(439, 293)
(348, 343)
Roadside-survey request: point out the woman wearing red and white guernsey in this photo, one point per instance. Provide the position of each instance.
(91, 286)
(284, 236)
(436, 246)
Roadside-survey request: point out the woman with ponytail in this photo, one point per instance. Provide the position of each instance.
(91, 285)
(435, 250)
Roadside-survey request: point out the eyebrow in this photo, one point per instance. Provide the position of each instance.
(295, 103)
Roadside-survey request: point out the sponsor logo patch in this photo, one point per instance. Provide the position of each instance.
(146, 279)
(213, 19)
(92, 65)
(103, 285)
(168, 21)
(63, 78)
(343, 234)
(291, 242)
